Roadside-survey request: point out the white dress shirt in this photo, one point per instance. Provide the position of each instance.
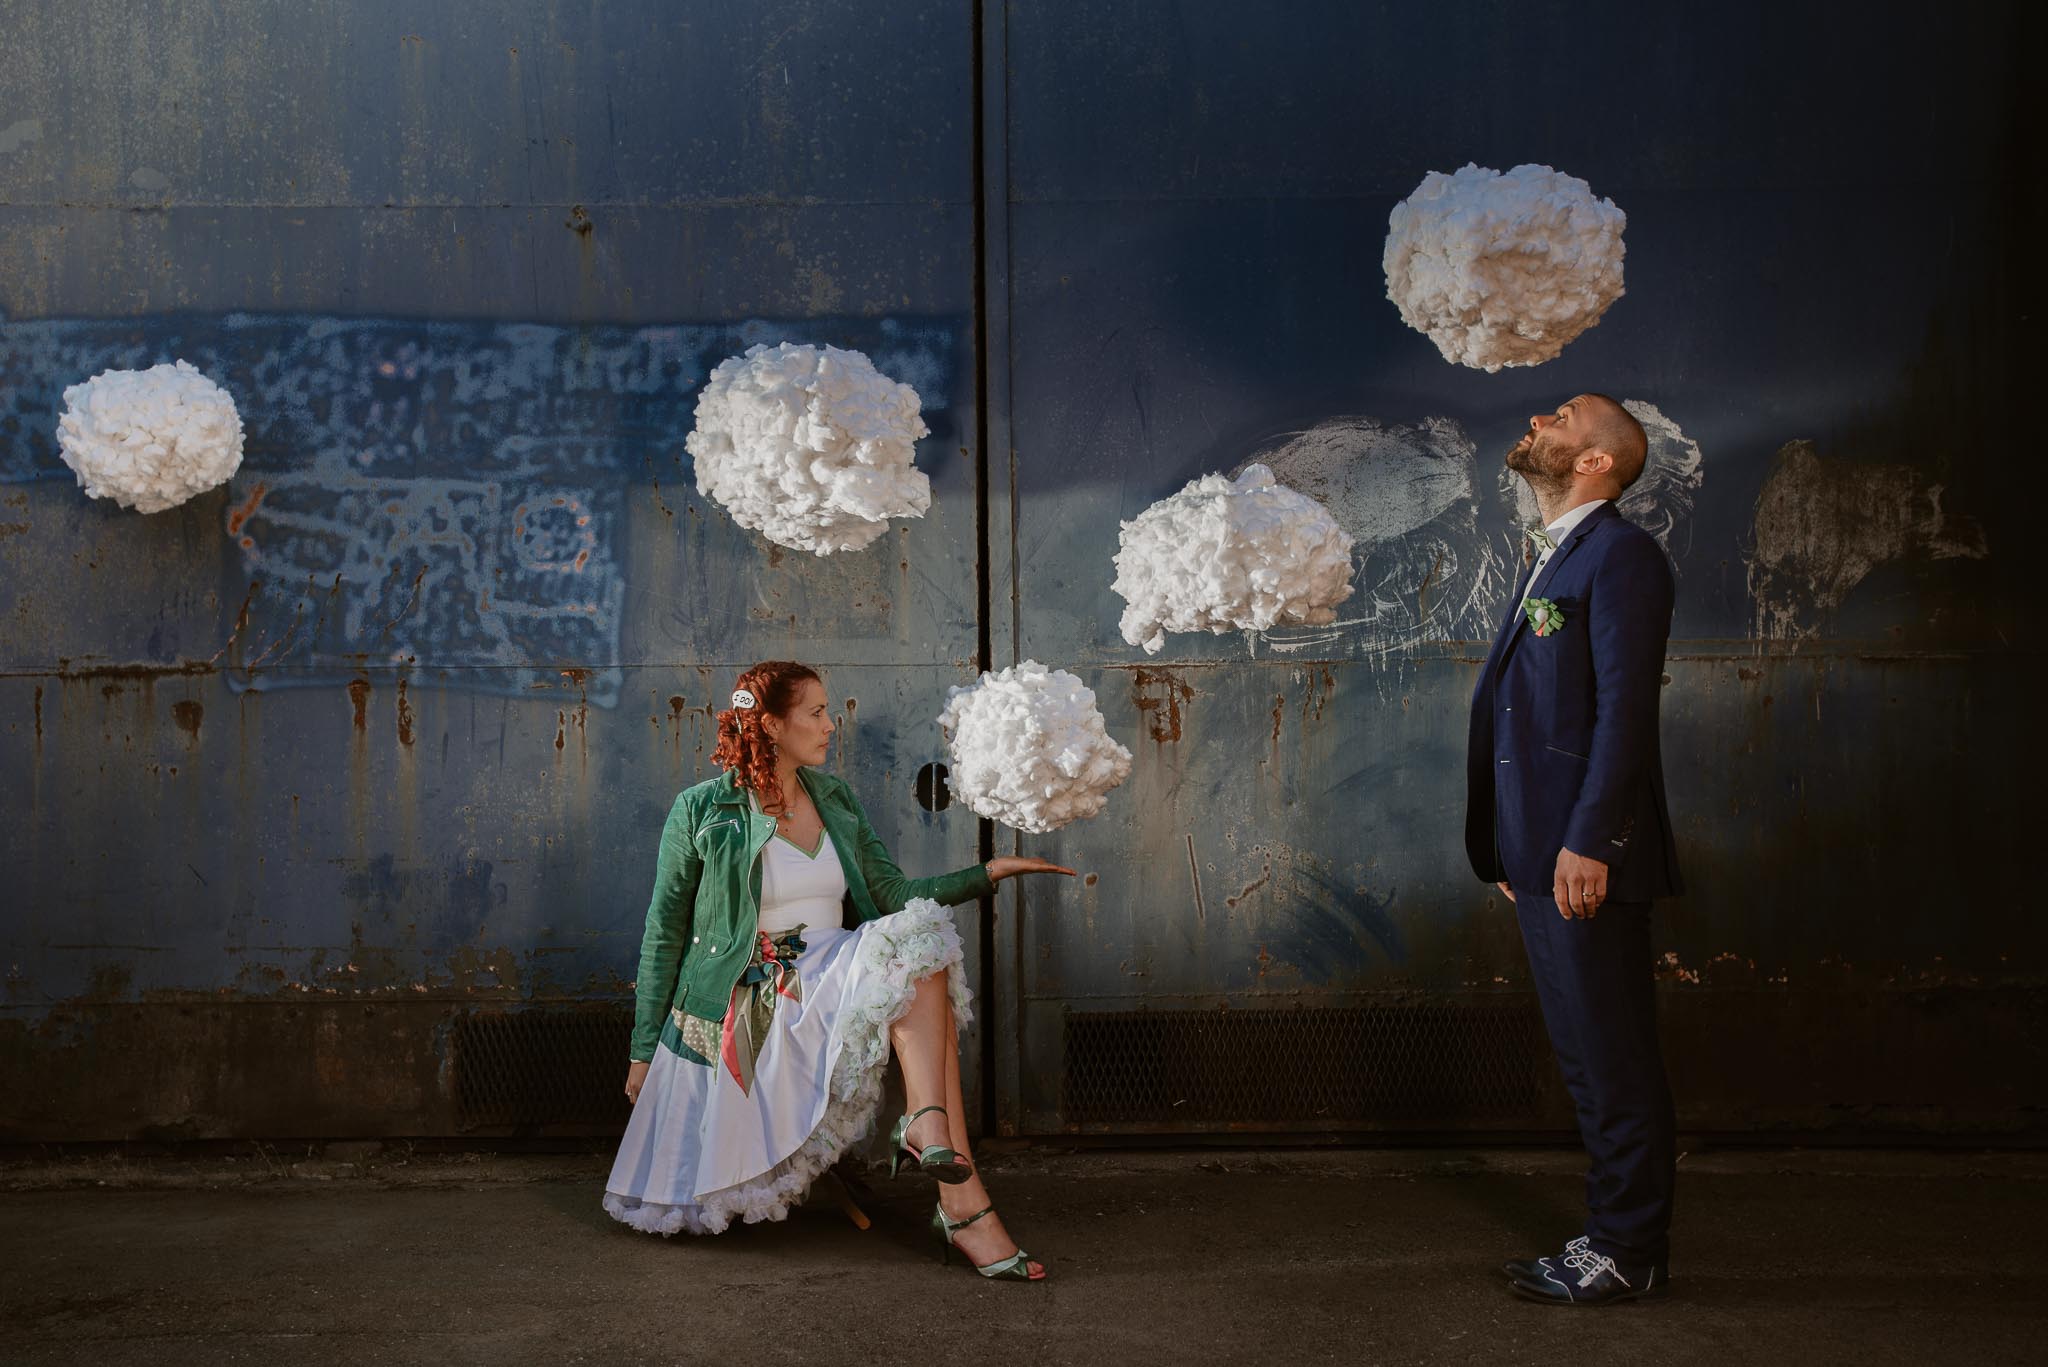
(1557, 531)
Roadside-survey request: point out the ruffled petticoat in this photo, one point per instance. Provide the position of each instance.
(701, 1150)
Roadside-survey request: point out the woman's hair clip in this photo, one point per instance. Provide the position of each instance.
(742, 699)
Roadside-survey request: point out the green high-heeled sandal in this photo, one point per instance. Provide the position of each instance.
(1015, 1268)
(936, 1159)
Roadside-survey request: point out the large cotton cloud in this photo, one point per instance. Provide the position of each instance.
(1224, 555)
(150, 439)
(809, 446)
(1029, 748)
(1503, 269)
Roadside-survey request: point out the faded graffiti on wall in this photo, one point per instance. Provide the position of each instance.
(1409, 494)
(446, 495)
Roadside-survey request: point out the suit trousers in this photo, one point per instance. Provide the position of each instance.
(1599, 1000)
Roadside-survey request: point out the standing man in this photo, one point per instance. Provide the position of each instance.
(1565, 812)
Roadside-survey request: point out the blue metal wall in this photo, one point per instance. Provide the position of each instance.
(300, 773)
(1825, 245)
(303, 774)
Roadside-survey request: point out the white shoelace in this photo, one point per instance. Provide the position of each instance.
(1589, 1265)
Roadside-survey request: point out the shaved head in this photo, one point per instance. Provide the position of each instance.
(1613, 429)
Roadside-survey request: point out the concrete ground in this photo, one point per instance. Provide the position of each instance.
(369, 1254)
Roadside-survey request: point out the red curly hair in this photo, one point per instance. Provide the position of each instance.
(743, 746)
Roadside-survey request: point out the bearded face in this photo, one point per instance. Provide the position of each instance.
(1544, 458)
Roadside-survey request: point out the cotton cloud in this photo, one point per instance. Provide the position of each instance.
(1503, 269)
(1224, 555)
(1029, 748)
(150, 439)
(809, 446)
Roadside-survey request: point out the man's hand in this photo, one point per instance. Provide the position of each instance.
(1580, 885)
(1508, 890)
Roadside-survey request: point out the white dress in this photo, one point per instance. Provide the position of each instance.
(736, 1121)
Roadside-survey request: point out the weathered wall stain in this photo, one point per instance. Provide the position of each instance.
(1822, 523)
(1405, 492)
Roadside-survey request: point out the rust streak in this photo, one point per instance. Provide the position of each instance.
(39, 716)
(1422, 594)
(411, 599)
(1249, 888)
(1163, 713)
(241, 514)
(187, 715)
(404, 716)
(241, 621)
(359, 694)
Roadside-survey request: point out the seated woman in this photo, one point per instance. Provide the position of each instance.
(763, 1025)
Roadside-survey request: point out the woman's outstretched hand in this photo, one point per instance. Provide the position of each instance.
(636, 1078)
(1010, 865)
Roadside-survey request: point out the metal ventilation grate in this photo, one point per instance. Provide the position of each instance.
(541, 1068)
(1407, 1066)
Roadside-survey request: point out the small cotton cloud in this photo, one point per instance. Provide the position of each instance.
(150, 439)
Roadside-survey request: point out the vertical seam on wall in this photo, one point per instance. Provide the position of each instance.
(983, 644)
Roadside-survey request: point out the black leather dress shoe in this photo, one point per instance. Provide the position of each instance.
(1584, 1277)
(1533, 1267)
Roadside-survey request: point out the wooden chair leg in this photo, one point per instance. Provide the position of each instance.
(843, 1198)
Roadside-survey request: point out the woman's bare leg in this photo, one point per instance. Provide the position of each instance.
(985, 1241)
(920, 1040)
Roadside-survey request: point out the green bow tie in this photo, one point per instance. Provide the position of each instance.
(1542, 538)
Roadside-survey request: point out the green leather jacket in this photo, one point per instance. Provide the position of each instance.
(707, 894)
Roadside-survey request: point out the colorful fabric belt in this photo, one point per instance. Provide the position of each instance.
(770, 976)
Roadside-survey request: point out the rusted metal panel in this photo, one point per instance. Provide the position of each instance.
(305, 775)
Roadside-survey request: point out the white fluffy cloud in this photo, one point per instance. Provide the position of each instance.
(809, 446)
(1223, 555)
(1029, 749)
(150, 439)
(1503, 269)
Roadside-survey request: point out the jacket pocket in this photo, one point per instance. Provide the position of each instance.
(1570, 754)
(713, 834)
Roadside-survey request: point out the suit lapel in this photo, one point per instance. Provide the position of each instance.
(1564, 550)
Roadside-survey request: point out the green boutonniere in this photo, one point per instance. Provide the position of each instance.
(1544, 615)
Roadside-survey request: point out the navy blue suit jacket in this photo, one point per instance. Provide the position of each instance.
(1564, 751)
